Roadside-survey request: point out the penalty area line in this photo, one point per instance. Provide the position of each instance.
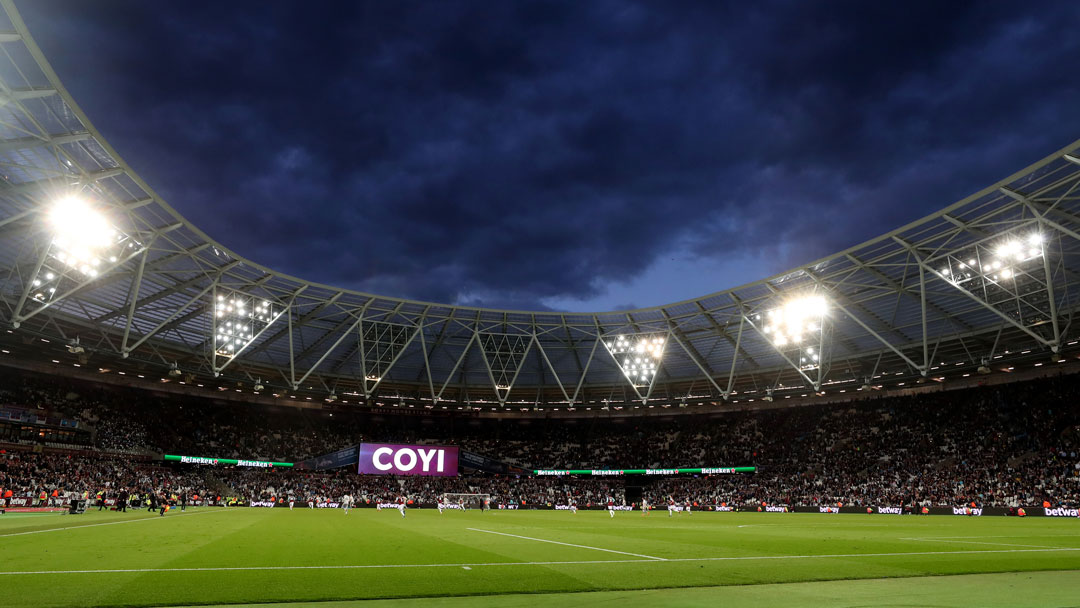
(555, 542)
(549, 563)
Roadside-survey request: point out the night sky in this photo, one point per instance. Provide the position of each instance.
(579, 155)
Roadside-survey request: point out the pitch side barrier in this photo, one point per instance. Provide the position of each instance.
(622, 472)
(954, 511)
(957, 511)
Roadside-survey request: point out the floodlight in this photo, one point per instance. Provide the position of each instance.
(638, 356)
(238, 319)
(79, 229)
(795, 318)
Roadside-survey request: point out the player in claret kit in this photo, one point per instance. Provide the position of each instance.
(573, 506)
(686, 507)
(292, 501)
(401, 505)
(670, 506)
(611, 506)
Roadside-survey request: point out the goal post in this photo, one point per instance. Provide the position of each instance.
(468, 501)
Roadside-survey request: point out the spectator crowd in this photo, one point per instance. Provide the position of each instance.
(1007, 445)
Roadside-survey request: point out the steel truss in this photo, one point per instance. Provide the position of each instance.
(907, 302)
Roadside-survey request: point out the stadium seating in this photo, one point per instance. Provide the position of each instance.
(1009, 445)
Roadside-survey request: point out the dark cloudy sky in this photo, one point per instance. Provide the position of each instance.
(581, 155)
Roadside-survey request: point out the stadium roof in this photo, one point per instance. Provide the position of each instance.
(990, 276)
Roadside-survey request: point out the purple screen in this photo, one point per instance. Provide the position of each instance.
(396, 459)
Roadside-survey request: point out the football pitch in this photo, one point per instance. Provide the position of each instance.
(505, 558)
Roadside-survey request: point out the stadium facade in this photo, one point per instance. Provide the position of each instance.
(984, 284)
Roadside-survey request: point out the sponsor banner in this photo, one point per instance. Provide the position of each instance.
(772, 509)
(334, 460)
(509, 507)
(27, 501)
(1059, 512)
(300, 503)
(259, 464)
(611, 472)
(397, 459)
(36, 509)
(450, 505)
(482, 463)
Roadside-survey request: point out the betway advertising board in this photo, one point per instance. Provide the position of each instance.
(397, 459)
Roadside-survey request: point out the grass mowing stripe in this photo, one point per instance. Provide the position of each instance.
(108, 523)
(555, 542)
(977, 542)
(654, 560)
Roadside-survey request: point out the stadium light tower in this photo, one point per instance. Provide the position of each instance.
(797, 330)
(239, 319)
(1012, 275)
(638, 357)
(83, 245)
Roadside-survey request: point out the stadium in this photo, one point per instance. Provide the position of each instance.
(892, 424)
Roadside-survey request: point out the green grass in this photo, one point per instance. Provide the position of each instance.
(248, 556)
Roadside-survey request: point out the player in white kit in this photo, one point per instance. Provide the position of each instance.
(346, 502)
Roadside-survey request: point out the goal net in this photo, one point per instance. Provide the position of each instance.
(469, 501)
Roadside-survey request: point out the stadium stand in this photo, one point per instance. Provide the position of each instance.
(1005, 446)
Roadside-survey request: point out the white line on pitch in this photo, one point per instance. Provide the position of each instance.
(555, 542)
(108, 523)
(976, 542)
(551, 563)
(1005, 536)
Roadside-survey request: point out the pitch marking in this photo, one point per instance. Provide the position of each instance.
(555, 542)
(976, 542)
(107, 523)
(551, 563)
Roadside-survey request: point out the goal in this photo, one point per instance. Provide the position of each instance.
(471, 501)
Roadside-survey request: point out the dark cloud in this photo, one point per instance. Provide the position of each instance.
(520, 154)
